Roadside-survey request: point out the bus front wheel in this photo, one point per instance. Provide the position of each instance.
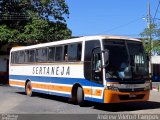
(28, 89)
(80, 96)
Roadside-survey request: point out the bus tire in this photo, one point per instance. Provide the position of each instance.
(80, 96)
(28, 89)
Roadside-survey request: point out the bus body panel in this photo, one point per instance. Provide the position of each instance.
(54, 81)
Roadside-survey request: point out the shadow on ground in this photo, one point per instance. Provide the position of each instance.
(123, 107)
(116, 107)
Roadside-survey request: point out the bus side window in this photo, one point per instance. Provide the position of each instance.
(37, 55)
(51, 54)
(79, 51)
(21, 56)
(16, 58)
(41, 55)
(32, 56)
(44, 54)
(13, 57)
(66, 53)
(59, 53)
(26, 56)
(74, 52)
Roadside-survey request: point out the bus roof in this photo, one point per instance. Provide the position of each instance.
(73, 40)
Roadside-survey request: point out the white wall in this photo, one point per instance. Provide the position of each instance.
(155, 59)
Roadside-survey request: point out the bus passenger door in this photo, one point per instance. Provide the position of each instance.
(97, 73)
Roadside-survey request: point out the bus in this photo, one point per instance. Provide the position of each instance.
(68, 68)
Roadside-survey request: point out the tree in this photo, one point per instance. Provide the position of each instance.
(33, 21)
(155, 36)
(56, 9)
(7, 34)
(39, 31)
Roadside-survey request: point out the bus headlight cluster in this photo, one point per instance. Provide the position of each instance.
(148, 87)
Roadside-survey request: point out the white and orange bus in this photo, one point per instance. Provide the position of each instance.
(69, 68)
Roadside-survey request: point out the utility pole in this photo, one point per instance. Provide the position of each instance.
(150, 39)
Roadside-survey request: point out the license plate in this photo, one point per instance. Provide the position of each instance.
(132, 95)
(130, 86)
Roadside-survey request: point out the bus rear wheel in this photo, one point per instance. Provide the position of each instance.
(28, 89)
(80, 96)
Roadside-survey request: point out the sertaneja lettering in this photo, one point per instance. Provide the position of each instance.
(47, 71)
(51, 70)
(33, 72)
(44, 70)
(68, 71)
(40, 70)
(62, 72)
(57, 70)
(37, 70)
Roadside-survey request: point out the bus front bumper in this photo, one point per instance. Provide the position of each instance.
(111, 96)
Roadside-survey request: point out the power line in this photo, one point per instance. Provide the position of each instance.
(129, 35)
(156, 11)
(123, 25)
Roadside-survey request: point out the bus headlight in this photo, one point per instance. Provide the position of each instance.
(148, 87)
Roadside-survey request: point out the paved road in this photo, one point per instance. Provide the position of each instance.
(13, 100)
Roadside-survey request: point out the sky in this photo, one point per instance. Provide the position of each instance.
(109, 17)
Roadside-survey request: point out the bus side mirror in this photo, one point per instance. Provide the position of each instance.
(106, 55)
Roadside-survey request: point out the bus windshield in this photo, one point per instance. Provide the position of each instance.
(127, 60)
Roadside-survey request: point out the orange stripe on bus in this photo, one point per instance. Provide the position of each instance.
(43, 86)
(60, 88)
(19, 83)
(52, 87)
(112, 82)
(88, 91)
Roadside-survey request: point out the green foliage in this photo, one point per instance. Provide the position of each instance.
(39, 31)
(155, 37)
(153, 30)
(14, 13)
(7, 34)
(56, 9)
(33, 24)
